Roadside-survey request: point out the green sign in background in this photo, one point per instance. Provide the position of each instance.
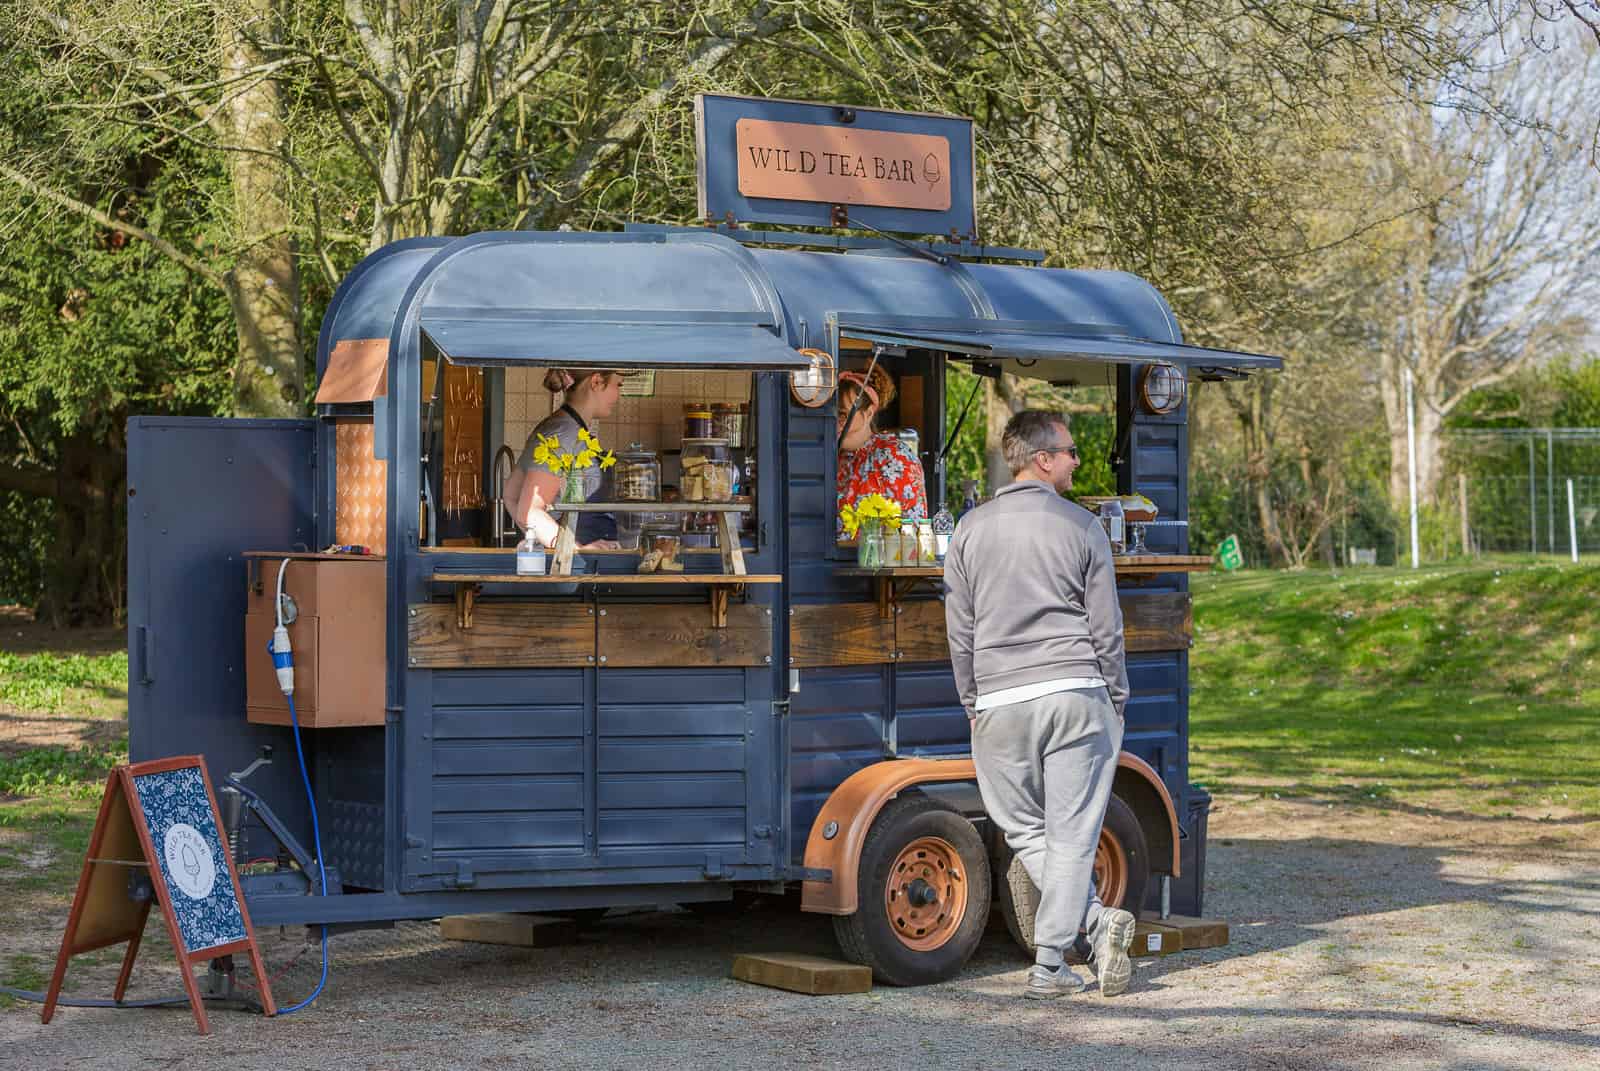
(1228, 553)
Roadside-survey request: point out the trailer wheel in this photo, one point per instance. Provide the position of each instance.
(1121, 872)
(924, 894)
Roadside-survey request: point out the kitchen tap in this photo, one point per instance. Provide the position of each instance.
(497, 488)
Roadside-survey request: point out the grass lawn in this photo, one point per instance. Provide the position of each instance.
(1470, 688)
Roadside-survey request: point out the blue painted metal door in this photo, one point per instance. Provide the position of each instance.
(200, 493)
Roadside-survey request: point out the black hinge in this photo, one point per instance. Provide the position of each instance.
(780, 708)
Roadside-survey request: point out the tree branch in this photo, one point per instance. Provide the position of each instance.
(160, 244)
(29, 479)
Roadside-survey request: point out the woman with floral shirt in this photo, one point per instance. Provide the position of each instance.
(874, 462)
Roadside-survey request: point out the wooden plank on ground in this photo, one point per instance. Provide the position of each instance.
(1200, 933)
(1157, 622)
(679, 634)
(505, 634)
(840, 634)
(1155, 939)
(509, 928)
(798, 973)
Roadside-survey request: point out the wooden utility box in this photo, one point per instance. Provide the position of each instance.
(337, 637)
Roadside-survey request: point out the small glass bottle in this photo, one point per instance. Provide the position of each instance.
(531, 558)
(944, 528)
(1111, 516)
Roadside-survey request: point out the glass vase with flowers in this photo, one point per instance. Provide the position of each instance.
(869, 521)
(571, 466)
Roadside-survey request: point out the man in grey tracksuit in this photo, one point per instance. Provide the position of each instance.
(1036, 642)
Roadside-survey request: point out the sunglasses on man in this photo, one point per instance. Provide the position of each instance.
(1072, 451)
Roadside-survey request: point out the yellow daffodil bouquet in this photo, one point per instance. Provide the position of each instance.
(869, 509)
(569, 465)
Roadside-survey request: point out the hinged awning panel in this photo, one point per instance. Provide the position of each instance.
(1054, 351)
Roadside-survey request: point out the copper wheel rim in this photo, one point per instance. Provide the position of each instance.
(925, 897)
(1110, 870)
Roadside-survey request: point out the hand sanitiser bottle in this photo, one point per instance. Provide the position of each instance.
(530, 557)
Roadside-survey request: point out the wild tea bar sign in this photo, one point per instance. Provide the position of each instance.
(843, 165)
(834, 165)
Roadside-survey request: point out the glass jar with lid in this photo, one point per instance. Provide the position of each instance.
(728, 422)
(708, 470)
(697, 420)
(638, 475)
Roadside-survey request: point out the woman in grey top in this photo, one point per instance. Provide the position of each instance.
(588, 397)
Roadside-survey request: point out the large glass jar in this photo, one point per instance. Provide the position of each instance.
(638, 475)
(708, 471)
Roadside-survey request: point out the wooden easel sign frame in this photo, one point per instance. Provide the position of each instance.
(161, 817)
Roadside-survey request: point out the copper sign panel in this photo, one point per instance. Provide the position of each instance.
(843, 165)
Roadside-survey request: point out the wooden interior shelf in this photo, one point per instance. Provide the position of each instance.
(720, 585)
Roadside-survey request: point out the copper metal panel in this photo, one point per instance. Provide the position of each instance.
(843, 165)
(680, 635)
(338, 642)
(846, 634)
(361, 487)
(358, 371)
(502, 634)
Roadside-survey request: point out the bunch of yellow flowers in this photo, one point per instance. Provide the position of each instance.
(549, 454)
(873, 509)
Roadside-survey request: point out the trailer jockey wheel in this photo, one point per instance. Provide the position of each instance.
(923, 886)
(1121, 873)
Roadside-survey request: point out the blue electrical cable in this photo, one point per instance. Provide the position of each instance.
(316, 838)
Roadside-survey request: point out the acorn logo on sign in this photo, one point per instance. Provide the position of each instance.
(189, 861)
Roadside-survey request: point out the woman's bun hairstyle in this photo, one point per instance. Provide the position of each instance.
(558, 381)
(883, 383)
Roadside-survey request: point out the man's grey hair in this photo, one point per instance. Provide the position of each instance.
(1028, 432)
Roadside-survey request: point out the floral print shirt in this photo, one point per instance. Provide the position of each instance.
(884, 465)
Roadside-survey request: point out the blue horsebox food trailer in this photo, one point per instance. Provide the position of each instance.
(772, 716)
(735, 701)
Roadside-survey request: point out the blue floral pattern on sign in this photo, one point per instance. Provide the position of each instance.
(177, 798)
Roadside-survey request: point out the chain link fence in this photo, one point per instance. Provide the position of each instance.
(1510, 490)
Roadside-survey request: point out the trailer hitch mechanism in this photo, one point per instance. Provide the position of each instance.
(236, 798)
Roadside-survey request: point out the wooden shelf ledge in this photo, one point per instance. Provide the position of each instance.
(720, 585)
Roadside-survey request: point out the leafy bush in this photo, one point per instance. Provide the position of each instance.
(78, 773)
(40, 682)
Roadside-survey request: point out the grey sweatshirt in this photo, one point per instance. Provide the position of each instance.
(1032, 596)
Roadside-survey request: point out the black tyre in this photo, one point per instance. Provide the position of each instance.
(924, 894)
(1122, 871)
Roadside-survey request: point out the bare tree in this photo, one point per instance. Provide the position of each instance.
(1499, 258)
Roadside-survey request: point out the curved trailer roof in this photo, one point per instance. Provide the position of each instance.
(694, 297)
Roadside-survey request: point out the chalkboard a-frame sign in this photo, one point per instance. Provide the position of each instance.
(160, 817)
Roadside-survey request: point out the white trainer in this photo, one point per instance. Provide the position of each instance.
(1112, 935)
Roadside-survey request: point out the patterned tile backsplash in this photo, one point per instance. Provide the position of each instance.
(656, 421)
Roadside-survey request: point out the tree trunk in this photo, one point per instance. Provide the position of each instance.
(86, 578)
(1430, 442)
(269, 379)
(1001, 400)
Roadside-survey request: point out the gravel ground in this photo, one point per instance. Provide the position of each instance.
(1362, 940)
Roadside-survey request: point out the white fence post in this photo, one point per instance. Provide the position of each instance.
(1572, 522)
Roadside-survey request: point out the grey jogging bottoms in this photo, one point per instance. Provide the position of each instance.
(1045, 769)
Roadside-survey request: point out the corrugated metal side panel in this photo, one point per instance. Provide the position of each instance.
(929, 721)
(1155, 726)
(671, 761)
(508, 760)
(836, 726)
